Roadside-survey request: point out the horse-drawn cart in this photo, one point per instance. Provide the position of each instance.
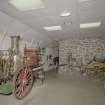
(17, 73)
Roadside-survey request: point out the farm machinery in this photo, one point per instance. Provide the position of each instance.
(19, 71)
(96, 68)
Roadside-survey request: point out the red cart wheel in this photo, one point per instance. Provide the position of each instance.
(23, 82)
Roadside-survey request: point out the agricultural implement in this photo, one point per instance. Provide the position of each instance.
(96, 68)
(18, 72)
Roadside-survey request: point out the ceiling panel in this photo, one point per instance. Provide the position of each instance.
(17, 28)
(44, 17)
(92, 11)
(35, 20)
(5, 20)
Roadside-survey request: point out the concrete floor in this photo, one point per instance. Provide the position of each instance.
(61, 90)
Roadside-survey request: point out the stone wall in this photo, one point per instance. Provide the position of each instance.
(79, 52)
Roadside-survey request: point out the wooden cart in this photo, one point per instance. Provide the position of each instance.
(31, 70)
(23, 78)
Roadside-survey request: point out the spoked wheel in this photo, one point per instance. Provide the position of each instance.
(23, 82)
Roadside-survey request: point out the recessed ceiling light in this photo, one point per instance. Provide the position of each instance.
(65, 14)
(90, 25)
(53, 28)
(26, 5)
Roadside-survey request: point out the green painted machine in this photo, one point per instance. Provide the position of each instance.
(6, 89)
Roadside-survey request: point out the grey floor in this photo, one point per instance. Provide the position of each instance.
(61, 90)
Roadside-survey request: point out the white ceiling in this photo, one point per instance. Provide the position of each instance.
(30, 24)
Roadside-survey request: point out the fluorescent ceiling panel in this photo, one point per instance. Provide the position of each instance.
(65, 14)
(90, 25)
(26, 5)
(53, 28)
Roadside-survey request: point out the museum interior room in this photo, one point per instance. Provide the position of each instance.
(52, 52)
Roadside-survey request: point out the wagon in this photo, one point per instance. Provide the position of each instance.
(18, 72)
(30, 71)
